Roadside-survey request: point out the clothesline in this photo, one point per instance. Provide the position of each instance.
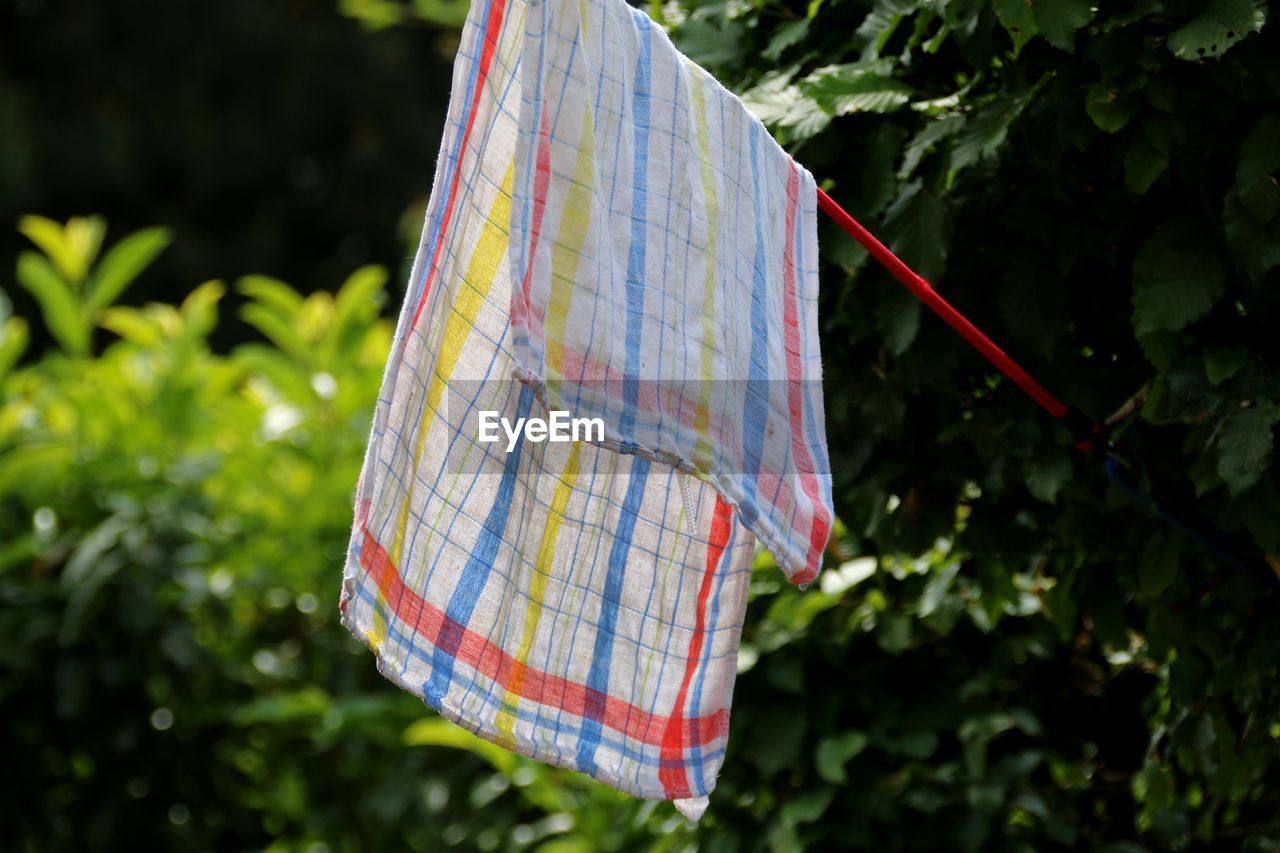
(953, 318)
(1086, 432)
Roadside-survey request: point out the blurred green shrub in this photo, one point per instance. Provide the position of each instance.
(172, 528)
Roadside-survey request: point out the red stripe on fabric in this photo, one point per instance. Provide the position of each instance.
(488, 659)
(671, 770)
(953, 318)
(492, 28)
(821, 526)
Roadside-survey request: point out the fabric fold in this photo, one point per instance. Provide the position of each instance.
(668, 253)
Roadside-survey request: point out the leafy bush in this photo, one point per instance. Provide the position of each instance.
(1006, 650)
(174, 523)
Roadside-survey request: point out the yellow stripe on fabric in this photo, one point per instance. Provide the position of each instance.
(482, 271)
(701, 419)
(377, 635)
(542, 568)
(566, 254)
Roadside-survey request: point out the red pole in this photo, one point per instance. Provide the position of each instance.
(953, 318)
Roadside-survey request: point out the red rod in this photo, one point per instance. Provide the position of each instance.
(953, 318)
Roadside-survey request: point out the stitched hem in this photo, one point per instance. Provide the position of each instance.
(522, 746)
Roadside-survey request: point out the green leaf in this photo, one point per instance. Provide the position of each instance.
(435, 731)
(834, 752)
(926, 138)
(122, 264)
(709, 43)
(1058, 20)
(915, 227)
(62, 312)
(1142, 165)
(984, 133)
(13, 343)
(71, 247)
(282, 334)
(200, 308)
(856, 88)
(132, 325)
(881, 23)
(788, 34)
(1222, 24)
(778, 102)
(272, 293)
(1046, 478)
(1245, 446)
(1221, 364)
(879, 186)
(936, 588)
(1108, 107)
(447, 14)
(1161, 349)
(898, 319)
(1255, 247)
(1158, 567)
(373, 15)
(1018, 20)
(808, 806)
(1177, 278)
(303, 704)
(1256, 183)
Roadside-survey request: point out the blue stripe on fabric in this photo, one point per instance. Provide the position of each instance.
(602, 654)
(475, 573)
(636, 256)
(755, 408)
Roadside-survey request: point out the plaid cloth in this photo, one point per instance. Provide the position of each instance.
(667, 257)
(609, 232)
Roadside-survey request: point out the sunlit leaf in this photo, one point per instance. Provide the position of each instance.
(132, 325)
(122, 264)
(63, 314)
(71, 247)
(434, 731)
(844, 89)
(13, 342)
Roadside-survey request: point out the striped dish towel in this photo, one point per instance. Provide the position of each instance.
(610, 234)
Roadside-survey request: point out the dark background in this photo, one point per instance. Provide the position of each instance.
(273, 138)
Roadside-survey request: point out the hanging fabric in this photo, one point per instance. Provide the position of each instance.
(611, 236)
